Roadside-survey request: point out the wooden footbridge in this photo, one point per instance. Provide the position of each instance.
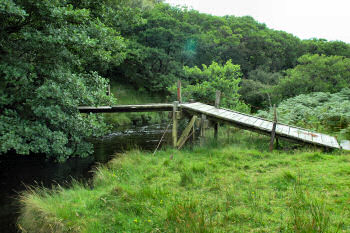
(205, 114)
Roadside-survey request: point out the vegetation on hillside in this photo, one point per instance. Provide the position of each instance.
(57, 55)
(236, 188)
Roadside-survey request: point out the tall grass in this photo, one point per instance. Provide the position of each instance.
(228, 187)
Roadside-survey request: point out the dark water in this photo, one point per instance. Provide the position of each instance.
(17, 172)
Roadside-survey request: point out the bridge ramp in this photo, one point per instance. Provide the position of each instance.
(262, 125)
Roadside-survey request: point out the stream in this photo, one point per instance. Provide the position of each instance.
(17, 172)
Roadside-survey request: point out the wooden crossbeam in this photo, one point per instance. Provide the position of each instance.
(183, 138)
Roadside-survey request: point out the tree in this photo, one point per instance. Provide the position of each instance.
(50, 52)
(224, 78)
(315, 73)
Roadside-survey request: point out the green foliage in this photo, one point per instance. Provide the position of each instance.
(211, 78)
(319, 111)
(50, 52)
(231, 189)
(256, 88)
(170, 37)
(328, 48)
(315, 73)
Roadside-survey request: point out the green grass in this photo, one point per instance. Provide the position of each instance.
(127, 94)
(239, 187)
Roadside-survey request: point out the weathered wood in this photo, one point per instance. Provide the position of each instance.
(216, 124)
(179, 98)
(203, 128)
(240, 120)
(273, 133)
(174, 131)
(183, 138)
(127, 108)
(217, 99)
(260, 125)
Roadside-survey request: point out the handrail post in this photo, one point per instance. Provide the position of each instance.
(216, 124)
(273, 132)
(179, 97)
(174, 131)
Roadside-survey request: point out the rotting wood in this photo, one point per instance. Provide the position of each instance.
(183, 138)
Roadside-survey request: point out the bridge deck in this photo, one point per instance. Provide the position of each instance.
(238, 119)
(263, 125)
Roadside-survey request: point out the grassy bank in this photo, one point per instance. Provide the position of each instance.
(237, 188)
(127, 94)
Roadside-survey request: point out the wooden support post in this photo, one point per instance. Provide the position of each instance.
(193, 133)
(174, 131)
(273, 132)
(179, 98)
(217, 99)
(216, 124)
(216, 130)
(203, 129)
(186, 132)
(277, 143)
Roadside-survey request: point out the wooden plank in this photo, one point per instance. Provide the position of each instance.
(191, 105)
(301, 135)
(258, 123)
(282, 129)
(335, 142)
(203, 108)
(317, 139)
(236, 117)
(126, 108)
(326, 140)
(252, 120)
(267, 125)
(243, 119)
(293, 132)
